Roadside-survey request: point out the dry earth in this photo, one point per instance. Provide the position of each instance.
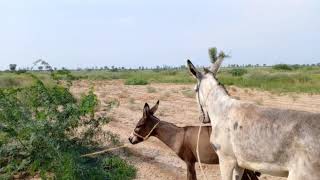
(177, 105)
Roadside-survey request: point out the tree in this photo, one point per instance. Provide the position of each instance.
(12, 67)
(40, 68)
(213, 54)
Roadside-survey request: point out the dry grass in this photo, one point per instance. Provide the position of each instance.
(188, 93)
(151, 89)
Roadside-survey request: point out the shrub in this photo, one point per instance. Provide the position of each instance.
(136, 81)
(39, 133)
(238, 72)
(282, 67)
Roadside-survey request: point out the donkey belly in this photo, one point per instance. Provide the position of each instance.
(264, 168)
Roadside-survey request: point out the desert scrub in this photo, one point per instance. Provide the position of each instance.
(39, 133)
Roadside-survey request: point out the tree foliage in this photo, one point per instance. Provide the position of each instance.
(12, 67)
(213, 54)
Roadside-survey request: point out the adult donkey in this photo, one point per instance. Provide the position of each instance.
(182, 140)
(274, 141)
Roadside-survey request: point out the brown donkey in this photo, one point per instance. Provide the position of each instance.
(182, 140)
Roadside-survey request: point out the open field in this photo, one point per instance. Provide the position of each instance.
(177, 105)
(122, 94)
(305, 79)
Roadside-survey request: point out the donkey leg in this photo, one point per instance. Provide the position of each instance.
(227, 166)
(191, 172)
(237, 173)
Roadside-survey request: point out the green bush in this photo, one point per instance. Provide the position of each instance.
(238, 72)
(282, 67)
(39, 133)
(136, 81)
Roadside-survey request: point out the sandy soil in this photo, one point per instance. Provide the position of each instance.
(152, 158)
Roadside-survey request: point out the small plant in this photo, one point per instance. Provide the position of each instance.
(238, 72)
(118, 169)
(113, 103)
(136, 81)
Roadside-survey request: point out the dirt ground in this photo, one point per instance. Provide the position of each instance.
(152, 158)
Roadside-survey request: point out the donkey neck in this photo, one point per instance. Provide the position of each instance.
(170, 134)
(218, 101)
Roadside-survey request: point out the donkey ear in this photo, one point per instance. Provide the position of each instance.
(193, 70)
(217, 64)
(154, 108)
(146, 110)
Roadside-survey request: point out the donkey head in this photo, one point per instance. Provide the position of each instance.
(145, 125)
(206, 81)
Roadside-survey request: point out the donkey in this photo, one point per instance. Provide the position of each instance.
(182, 140)
(274, 141)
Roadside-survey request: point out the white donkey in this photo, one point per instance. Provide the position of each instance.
(273, 141)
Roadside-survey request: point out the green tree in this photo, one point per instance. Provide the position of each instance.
(213, 54)
(12, 67)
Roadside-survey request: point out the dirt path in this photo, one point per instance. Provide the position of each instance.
(177, 105)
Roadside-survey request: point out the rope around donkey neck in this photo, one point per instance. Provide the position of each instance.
(198, 156)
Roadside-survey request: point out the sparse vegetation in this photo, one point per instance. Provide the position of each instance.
(188, 93)
(113, 103)
(151, 89)
(298, 79)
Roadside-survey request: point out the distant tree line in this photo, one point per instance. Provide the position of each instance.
(41, 65)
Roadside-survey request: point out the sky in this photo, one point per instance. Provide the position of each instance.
(132, 33)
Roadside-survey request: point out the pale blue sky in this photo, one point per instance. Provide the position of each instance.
(131, 33)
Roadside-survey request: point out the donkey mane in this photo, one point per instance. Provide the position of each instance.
(222, 86)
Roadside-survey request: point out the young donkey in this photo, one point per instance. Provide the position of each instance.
(273, 141)
(182, 140)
